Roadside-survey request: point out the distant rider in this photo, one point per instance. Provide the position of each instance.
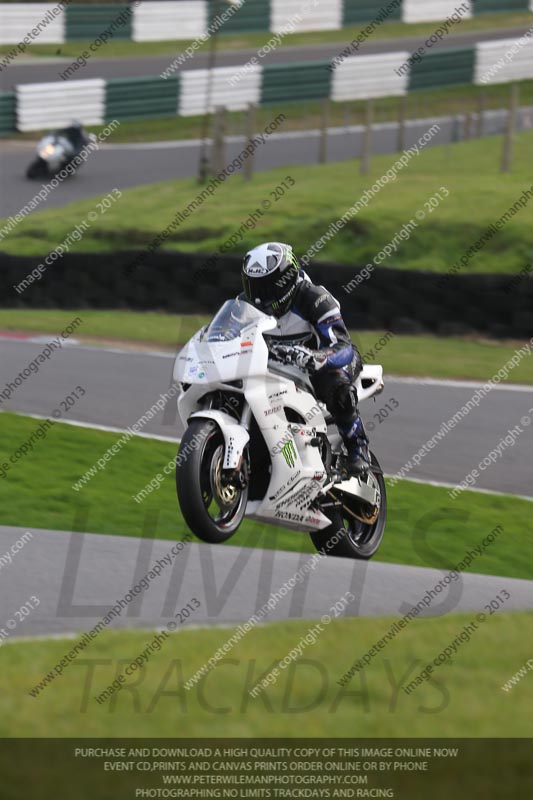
(76, 137)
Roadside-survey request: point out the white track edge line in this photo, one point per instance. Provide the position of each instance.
(111, 429)
(94, 426)
(419, 381)
(475, 489)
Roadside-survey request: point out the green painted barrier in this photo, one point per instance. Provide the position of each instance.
(138, 98)
(355, 11)
(286, 83)
(90, 21)
(448, 68)
(252, 17)
(494, 6)
(8, 113)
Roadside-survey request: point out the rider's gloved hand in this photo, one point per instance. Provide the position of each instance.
(302, 357)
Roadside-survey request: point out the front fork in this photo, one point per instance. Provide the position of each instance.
(240, 476)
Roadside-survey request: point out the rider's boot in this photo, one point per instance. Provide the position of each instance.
(356, 443)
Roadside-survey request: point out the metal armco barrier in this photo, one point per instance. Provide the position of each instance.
(357, 77)
(138, 98)
(164, 20)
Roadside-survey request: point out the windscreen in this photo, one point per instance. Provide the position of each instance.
(47, 143)
(228, 323)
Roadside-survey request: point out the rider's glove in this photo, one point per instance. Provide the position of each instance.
(302, 357)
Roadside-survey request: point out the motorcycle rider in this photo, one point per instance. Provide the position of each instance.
(75, 136)
(310, 334)
(57, 150)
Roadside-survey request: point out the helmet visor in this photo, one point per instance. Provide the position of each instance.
(259, 291)
(271, 293)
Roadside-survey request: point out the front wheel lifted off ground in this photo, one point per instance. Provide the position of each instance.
(212, 510)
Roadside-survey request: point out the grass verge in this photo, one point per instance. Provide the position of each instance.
(478, 197)
(422, 356)
(422, 528)
(462, 698)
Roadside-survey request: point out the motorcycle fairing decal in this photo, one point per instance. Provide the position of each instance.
(288, 452)
(290, 516)
(300, 498)
(286, 488)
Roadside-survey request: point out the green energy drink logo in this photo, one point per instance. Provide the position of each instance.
(289, 453)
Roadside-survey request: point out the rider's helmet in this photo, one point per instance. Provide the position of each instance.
(269, 276)
(74, 133)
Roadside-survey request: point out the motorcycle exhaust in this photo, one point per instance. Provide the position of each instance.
(368, 517)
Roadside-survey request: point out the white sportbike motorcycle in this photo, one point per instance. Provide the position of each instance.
(259, 445)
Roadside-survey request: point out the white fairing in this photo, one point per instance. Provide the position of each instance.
(298, 475)
(55, 150)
